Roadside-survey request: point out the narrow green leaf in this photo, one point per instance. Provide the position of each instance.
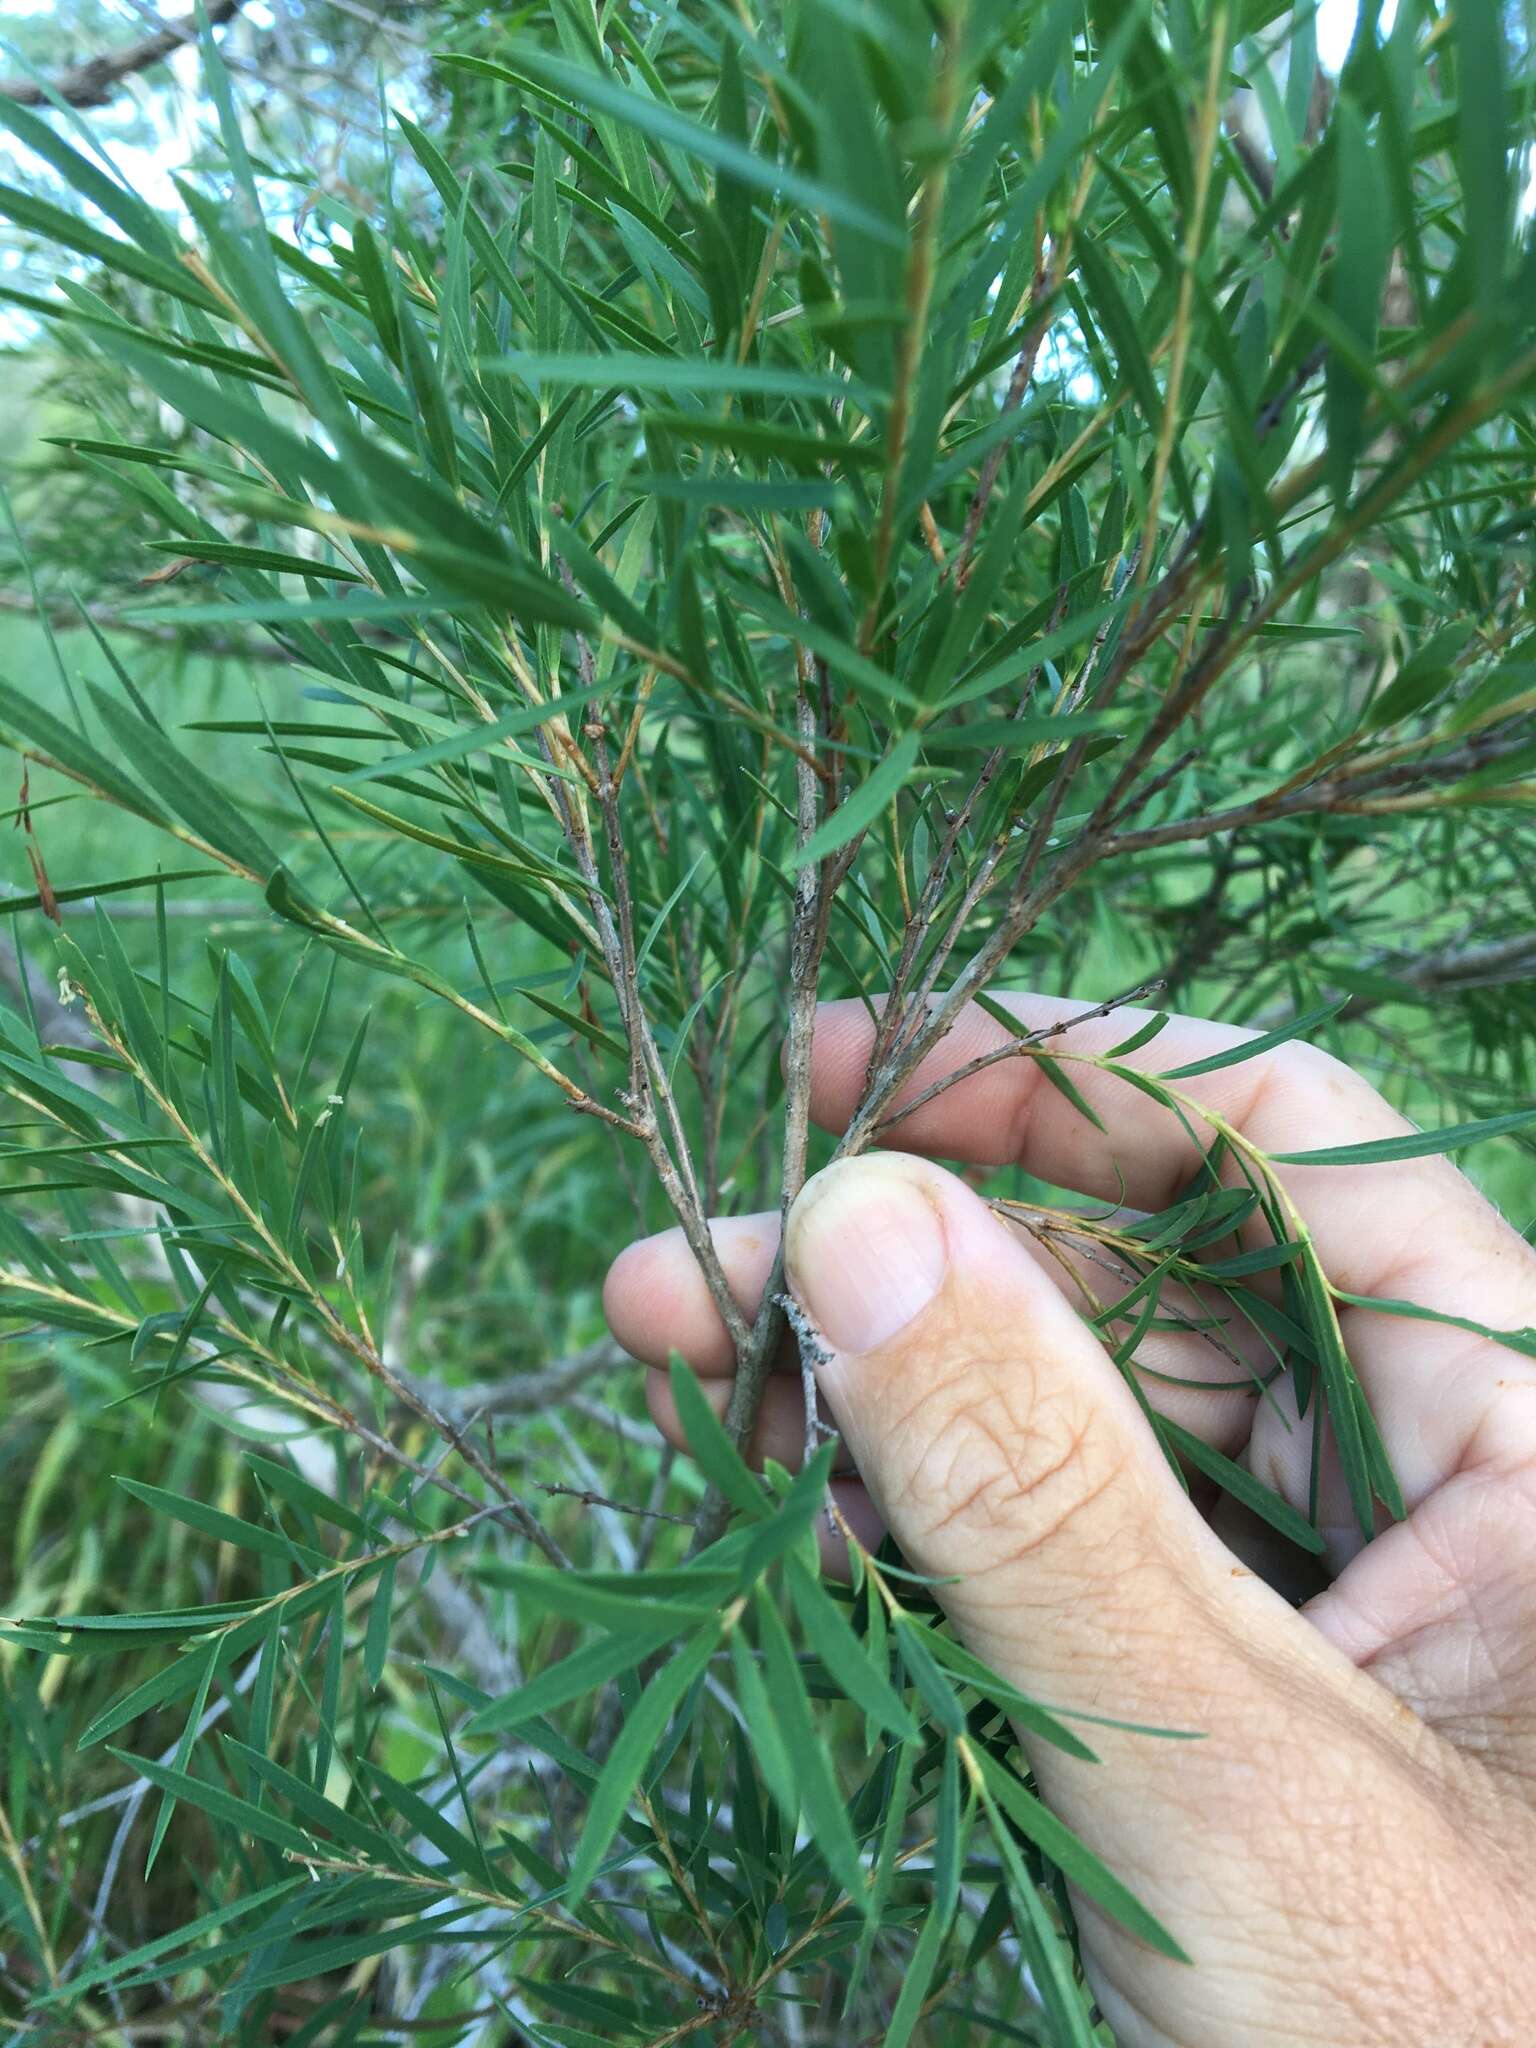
(950, 1832)
(62, 744)
(863, 805)
(231, 554)
(1044, 1949)
(1021, 1710)
(459, 1851)
(193, 796)
(223, 1528)
(575, 1598)
(297, 1490)
(1063, 1083)
(220, 1805)
(1072, 1858)
(666, 125)
(826, 1809)
(574, 1677)
(642, 1730)
(1522, 1340)
(87, 892)
(912, 1640)
(1482, 140)
(701, 374)
(380, 1616)
(476, 739)
(1030, 729)
(768, 1747)
(848, 1661)
(1238, 1481)
(134, 1959)
(1355, 284)
(1427, 672)
(716, 1456)
(1250, 1048)
(208, 1662)
(316, 1809)
(1411, 1145)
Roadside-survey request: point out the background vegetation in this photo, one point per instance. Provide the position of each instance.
(534, 545)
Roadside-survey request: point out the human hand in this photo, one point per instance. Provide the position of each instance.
(1349, 1855)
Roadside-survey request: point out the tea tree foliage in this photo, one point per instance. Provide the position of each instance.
(738, 506)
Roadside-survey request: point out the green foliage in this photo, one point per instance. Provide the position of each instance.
(720, 509)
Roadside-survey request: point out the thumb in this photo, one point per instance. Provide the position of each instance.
(1005, 1451)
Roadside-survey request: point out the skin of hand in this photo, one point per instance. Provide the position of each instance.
(1348, 1854)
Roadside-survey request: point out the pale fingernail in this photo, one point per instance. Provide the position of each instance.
(864, 1251)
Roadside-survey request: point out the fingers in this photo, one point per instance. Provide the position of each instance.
(657, 1302)
(1415, 1229)
(1012, 1463)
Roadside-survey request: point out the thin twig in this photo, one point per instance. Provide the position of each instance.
(1026, 1043)
(589, 1499)
(814, 1352)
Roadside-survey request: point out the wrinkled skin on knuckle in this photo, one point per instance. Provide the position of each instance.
(992, 1457)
